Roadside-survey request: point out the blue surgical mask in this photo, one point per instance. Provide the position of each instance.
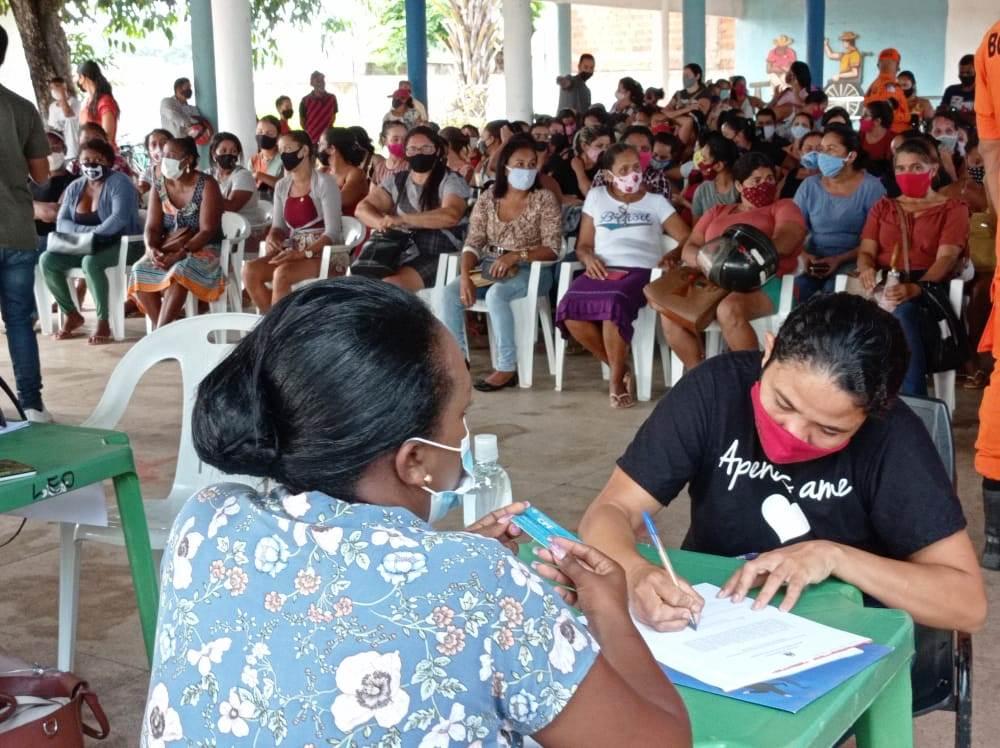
(521, 179)
(443, 502)
(830, 166)
(810, 160)
(724, 94)
(799, 132)
(768, 131)
(660, 163)
(948, 142)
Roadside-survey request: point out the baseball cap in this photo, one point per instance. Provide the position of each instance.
(890, 53)
(401, 93)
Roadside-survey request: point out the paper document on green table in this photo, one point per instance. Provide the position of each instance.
(736, 646)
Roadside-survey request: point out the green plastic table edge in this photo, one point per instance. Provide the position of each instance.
(68, 457)
(877, 702)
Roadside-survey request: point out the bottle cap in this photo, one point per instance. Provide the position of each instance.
(486, 449)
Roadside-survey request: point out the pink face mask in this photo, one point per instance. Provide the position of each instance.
(397, 150)
(594, 154)
(644, 158)
(629, 184)
(780, 445)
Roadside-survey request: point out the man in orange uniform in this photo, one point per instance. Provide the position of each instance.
(887, 88)
(988, 443)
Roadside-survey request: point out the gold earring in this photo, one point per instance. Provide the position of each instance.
(428, 479)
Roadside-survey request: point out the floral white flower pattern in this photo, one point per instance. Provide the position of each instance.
(308, 620)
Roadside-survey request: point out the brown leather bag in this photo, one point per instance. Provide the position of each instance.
(685, 296)
(56, 697)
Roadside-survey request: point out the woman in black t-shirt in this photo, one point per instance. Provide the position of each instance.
(807, 458)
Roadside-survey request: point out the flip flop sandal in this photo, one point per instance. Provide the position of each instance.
(622, 401)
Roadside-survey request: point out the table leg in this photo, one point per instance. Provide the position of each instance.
(140, 555)
(889, 720)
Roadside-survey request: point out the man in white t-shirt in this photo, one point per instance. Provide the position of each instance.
(64, 115)
(180, 118)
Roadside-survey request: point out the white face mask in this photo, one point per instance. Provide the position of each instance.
(171, 167)
(443, 502)
(56, 161)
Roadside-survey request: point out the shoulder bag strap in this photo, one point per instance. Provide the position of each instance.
(904, 233)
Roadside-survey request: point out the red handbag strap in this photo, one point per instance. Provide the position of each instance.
(90, 699)
(8, 705)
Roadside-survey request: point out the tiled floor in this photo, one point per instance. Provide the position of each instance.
(558, 447)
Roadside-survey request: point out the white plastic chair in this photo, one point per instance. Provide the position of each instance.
(944, 381)
(185, 341)
(645, 335)
(762, 326)
(235, 230)
(434, 296)
(354, 234)
(529, 312)
(117, 276)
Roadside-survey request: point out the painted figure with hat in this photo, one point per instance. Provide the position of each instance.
(886, 88)
(780, 59)
(850, 58)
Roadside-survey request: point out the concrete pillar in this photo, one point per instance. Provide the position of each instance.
(416, 47)
(203, 62)
(565, 26)
(815, 34)
(661, 48)
(517, 58)
(694, 32)
(234, 71)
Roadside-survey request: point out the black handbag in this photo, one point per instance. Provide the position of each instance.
(946, 343)
(383, 253)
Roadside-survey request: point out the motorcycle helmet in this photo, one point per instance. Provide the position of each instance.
(742, 260)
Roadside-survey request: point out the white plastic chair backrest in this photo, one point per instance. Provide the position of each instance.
(185, 341)
(668, 242)
(235, 228)
(354, 232)
(266, 208)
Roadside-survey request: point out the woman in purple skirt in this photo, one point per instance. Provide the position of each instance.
(621, 240)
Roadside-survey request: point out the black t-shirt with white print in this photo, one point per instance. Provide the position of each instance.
(886, 492)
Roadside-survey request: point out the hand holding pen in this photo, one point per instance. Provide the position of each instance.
(659, 598)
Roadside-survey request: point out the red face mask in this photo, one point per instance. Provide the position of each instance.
(761, 195)
(644, 158)
(914, 183)
(780, 445)
(866, 126)
(662, 127)
(707, 170)
(397, 150)
(739, 90)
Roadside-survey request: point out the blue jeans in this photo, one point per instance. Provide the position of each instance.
(915, 379)
(498, 298)
(17, 306)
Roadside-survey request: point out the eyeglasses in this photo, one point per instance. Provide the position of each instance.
(425, 150)
(542, 137)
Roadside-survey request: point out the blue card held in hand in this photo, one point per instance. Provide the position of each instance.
(541, 526)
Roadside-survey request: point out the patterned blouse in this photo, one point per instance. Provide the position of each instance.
(540, 224)
(302, 619)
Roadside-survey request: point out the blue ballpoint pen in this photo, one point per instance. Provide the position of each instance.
(658, 544)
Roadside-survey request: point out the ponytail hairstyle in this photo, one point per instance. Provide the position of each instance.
(259, 411)
(346, 144)
(854, 342)
(92, 71)
(429, 198)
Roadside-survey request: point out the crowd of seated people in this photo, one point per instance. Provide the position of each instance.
(716, 155)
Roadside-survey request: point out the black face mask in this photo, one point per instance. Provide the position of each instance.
(324, 158)
(967, 80)
(227, 161)
(286, 113)
(266, 142)
(291, 160)
(585, 76)
(187, 93)
(559, 143)
(423, 162)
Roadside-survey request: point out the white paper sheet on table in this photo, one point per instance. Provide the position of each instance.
(86, 506)
(735, 646)
(11, 426)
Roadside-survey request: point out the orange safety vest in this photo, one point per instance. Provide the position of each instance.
(884, 88)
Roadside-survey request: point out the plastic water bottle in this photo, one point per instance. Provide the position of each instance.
(892, 279)
(492, 482)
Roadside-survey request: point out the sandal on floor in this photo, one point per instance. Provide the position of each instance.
(622, 401)
(977, 381)
(100, 339)
(483, 386)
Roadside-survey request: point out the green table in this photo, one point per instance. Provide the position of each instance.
(68, 457)
(876, 703)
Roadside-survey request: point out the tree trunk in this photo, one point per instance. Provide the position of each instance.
(474, 40)
(45, 46)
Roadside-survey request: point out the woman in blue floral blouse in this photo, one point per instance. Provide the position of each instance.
(296, 618)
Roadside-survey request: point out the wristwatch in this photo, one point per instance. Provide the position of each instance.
(524, 255)
(308, 253)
